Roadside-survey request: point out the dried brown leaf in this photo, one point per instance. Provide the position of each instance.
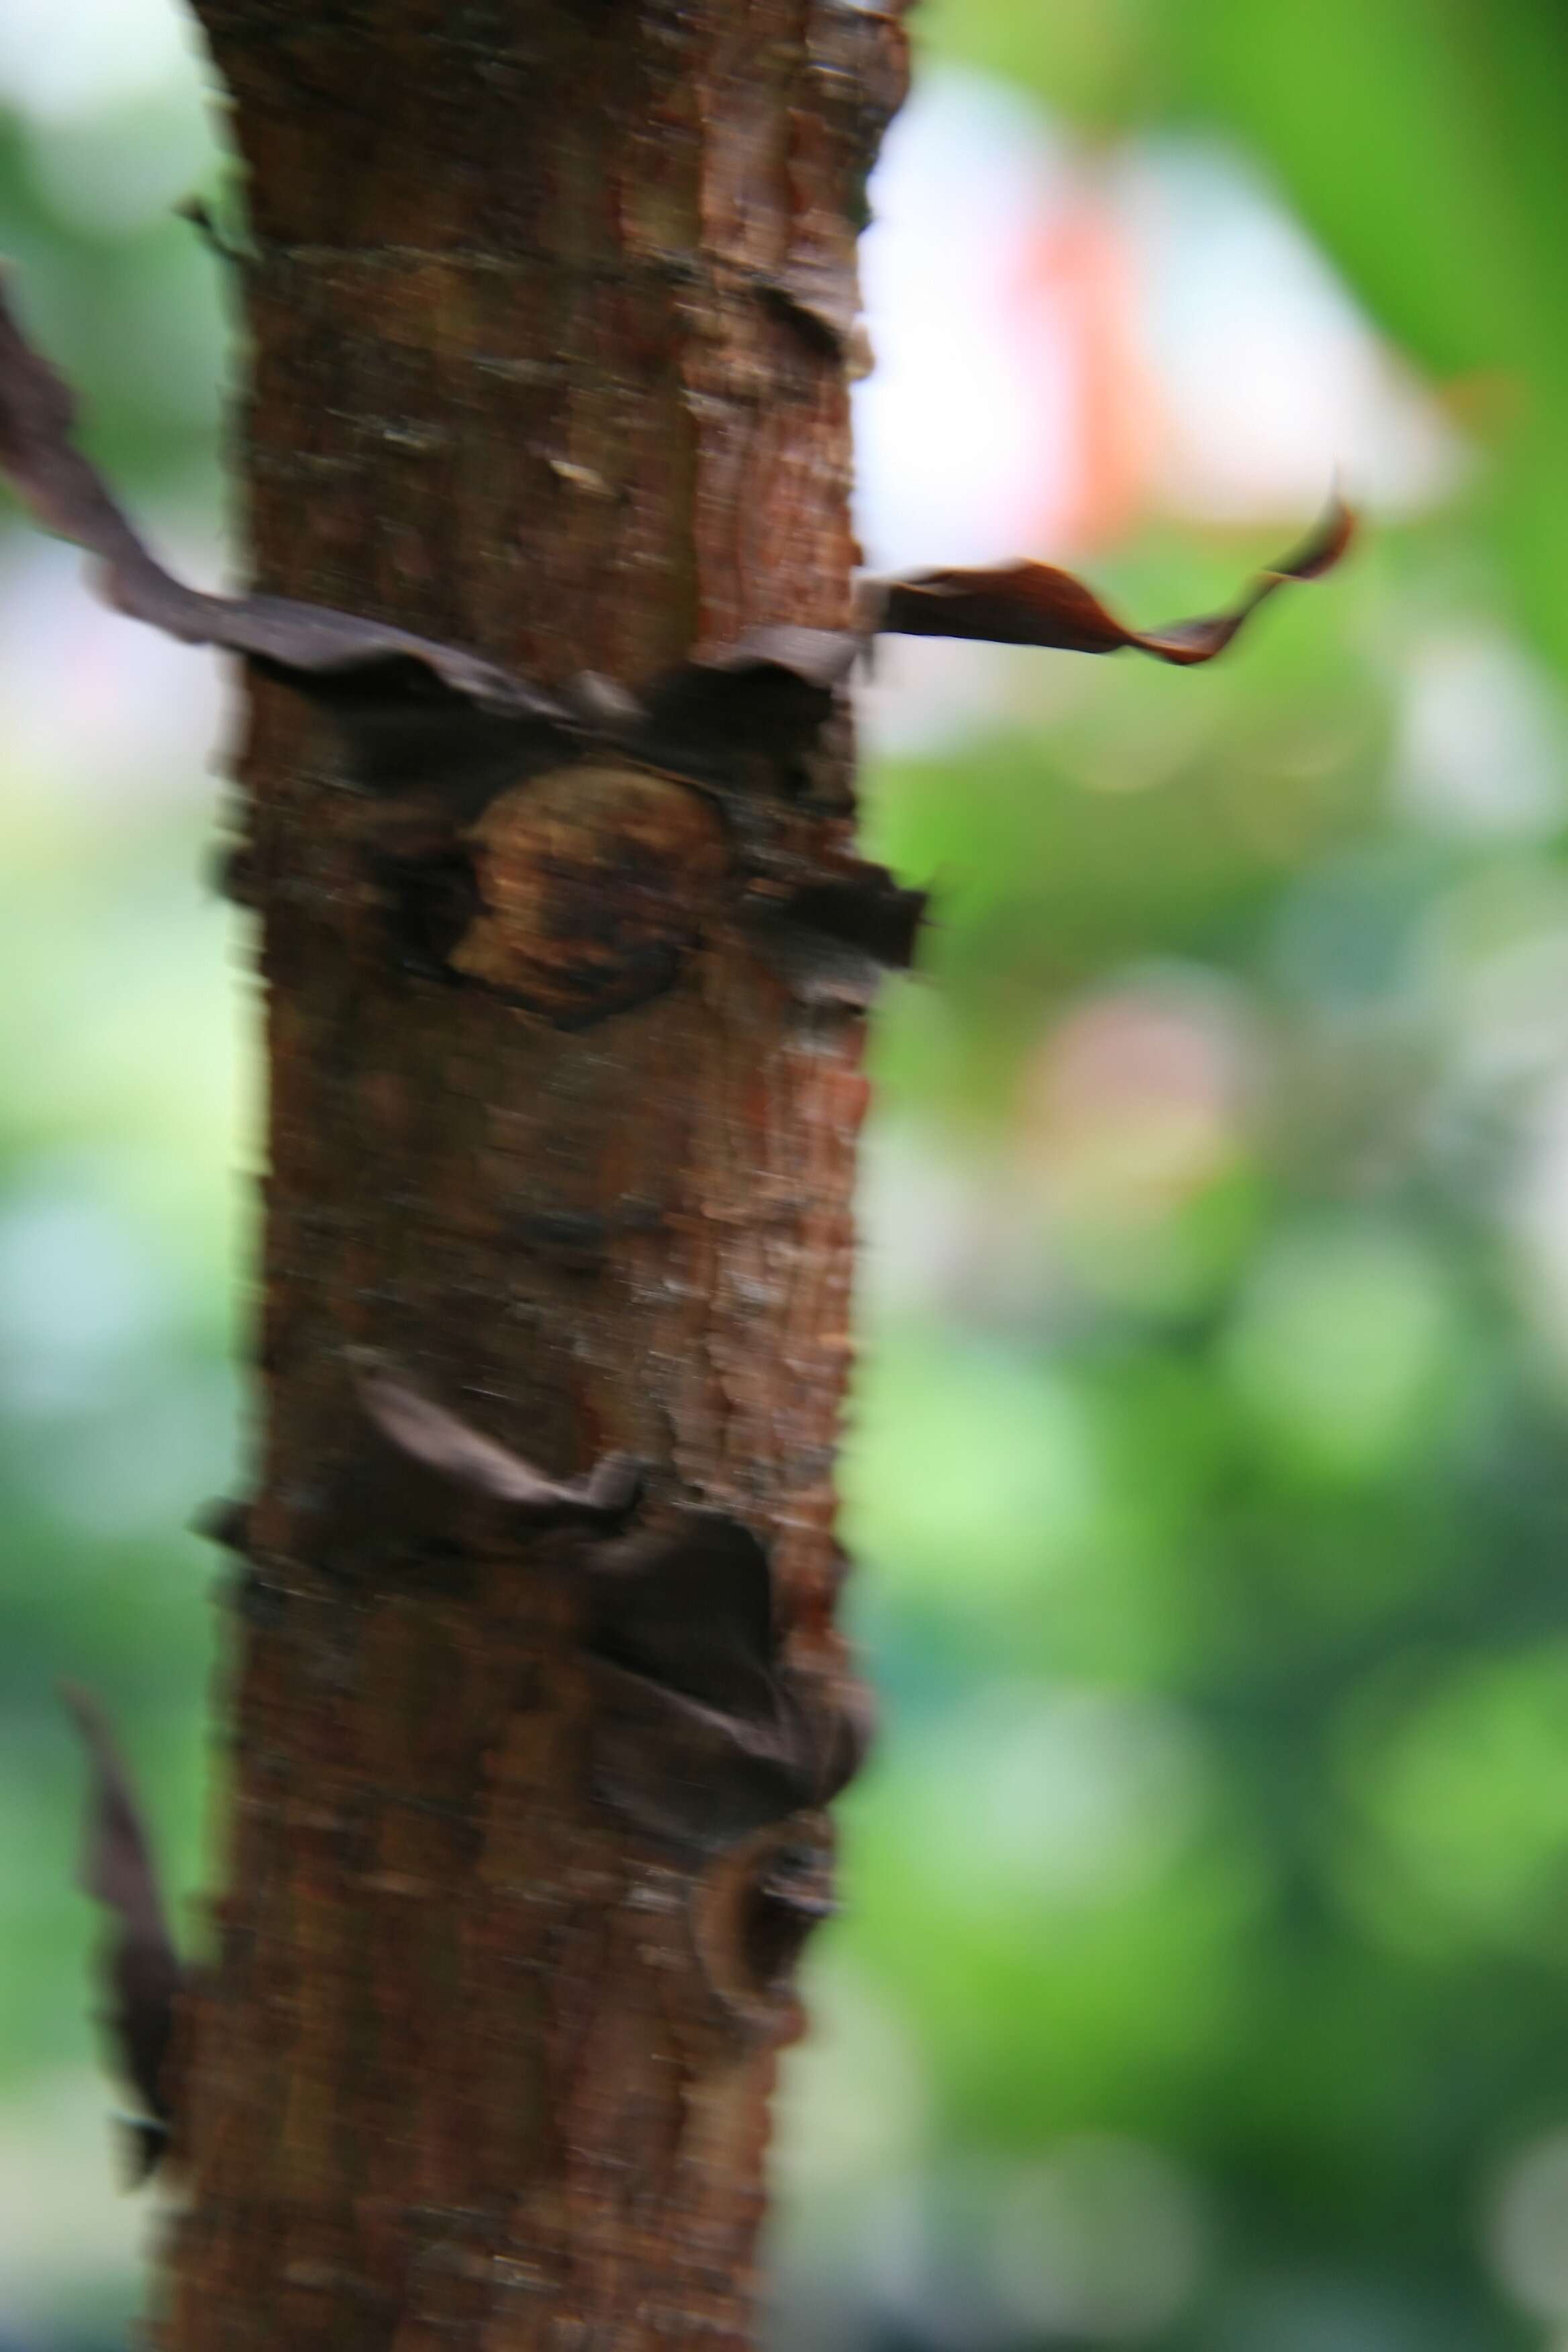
(1035, 604)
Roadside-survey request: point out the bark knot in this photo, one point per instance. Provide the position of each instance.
(593, 881)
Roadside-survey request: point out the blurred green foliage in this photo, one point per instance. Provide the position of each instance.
(1418, 140)
(1205, 1977)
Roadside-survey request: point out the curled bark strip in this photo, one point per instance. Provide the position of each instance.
(831, 932)
(141, 1969)
(703, 1732)
(689, 1606)
(816, 657)
(417, 713)
(430, 1436)
(1035, 604)
(857, 904)
(770, 689)
(413, 707)
(820, 298)
(225, 1522)
(818, 971)
(314, 649)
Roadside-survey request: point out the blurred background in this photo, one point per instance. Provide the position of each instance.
(1204, 1976)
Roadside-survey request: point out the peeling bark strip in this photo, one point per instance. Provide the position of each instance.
(554, 849)
(142, 1970)
(308, 643)
(744, 692)
(704, 1730)
(429, 1434)
(1035, 604)
(552, 312)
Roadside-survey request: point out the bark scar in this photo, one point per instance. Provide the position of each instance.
(751, 1914)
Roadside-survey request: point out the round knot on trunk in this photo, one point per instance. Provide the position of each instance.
(593, 884)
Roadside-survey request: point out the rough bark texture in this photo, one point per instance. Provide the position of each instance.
(550, 304)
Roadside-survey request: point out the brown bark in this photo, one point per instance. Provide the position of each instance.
(549, 302)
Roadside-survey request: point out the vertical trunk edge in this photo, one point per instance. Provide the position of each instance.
(549, 309)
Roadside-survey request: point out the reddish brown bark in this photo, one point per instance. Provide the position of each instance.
(549, 309)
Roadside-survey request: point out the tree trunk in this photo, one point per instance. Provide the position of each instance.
(549, 302)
